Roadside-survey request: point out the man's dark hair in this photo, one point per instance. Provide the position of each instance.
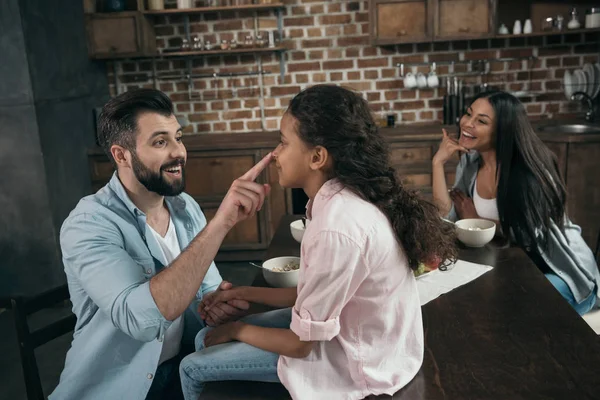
(117, 123)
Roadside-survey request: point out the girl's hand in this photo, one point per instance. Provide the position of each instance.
(463, 204)
(448, 147)
(232, 296)
(223, 334)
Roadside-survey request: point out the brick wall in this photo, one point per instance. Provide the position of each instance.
(328, 42)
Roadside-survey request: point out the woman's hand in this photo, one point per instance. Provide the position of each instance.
(448, 147)
(463, 204)
(223, 334)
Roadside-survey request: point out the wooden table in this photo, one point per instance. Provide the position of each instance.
(507, 335)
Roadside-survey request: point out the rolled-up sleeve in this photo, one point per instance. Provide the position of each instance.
(333, 269)
(93, 253)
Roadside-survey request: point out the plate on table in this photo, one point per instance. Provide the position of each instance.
(568, 84)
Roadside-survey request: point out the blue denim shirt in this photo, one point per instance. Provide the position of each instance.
(109, 256)
(567, 254)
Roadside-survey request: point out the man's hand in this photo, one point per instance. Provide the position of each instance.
(245, 197)
(463, 204)
(221, 312)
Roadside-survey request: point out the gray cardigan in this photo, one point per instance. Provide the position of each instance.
(568, 256)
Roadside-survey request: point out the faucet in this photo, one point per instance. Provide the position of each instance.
(589, 115)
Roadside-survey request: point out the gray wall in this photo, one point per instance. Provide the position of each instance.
(48, 88)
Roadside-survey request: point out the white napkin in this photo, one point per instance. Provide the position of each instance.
(437, 282)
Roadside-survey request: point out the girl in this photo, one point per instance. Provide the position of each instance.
(508, 175)
(354, 324)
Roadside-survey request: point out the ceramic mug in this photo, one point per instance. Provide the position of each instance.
(432, 80)
(421, 80)
(410, 81)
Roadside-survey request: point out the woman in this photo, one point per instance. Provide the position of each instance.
(354, 327)
(506, 174)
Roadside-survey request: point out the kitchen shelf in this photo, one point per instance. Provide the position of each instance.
(394, 41)
(219, 52)
(203, 10)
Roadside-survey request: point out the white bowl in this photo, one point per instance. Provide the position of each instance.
(475, 232)
(281, 279)
(297, 229)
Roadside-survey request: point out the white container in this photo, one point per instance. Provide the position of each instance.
(517, 28)
(281, 279)
(592, 18)
(475, 232)
(297, 229)
(184, 4)
(527, 27)
(156, 4)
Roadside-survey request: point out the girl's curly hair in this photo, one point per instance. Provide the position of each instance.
(340, 120)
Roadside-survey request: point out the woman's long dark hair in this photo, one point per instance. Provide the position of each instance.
(340, 121)
(531, 192)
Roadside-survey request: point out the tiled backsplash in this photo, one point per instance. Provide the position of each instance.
(328, 41)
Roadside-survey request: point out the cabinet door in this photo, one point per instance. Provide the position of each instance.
(583, 183)
(463, 19)
(245, 235)
(399, 21)
(115, 35)
(560, 151)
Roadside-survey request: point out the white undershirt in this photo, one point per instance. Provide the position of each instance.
(169, 246)
(486, 208)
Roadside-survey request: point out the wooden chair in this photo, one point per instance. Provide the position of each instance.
(21, 307)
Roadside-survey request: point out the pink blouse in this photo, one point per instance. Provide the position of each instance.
(358, 299)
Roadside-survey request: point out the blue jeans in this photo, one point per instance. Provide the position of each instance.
(234, 361)
(560, 285)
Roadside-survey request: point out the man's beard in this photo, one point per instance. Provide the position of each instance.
(156, 182)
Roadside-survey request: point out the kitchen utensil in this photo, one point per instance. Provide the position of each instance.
(256, 265)
(454, 100)
(447, 102)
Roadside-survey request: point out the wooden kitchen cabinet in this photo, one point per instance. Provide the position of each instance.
(119, 35)
(412, 21)
(210, 170)
(583, 187)
(214, 161)
(400, 21)
(463, 19)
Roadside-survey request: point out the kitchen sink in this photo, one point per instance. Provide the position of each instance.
(570, 128)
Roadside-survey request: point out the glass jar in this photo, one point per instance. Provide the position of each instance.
(260, 41)
(249, 42)
(185, 45)
(224, 45)
(208, 45)
(233, 44)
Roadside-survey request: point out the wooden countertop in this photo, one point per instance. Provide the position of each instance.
(405, 133)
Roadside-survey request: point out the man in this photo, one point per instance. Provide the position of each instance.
(138, 256)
